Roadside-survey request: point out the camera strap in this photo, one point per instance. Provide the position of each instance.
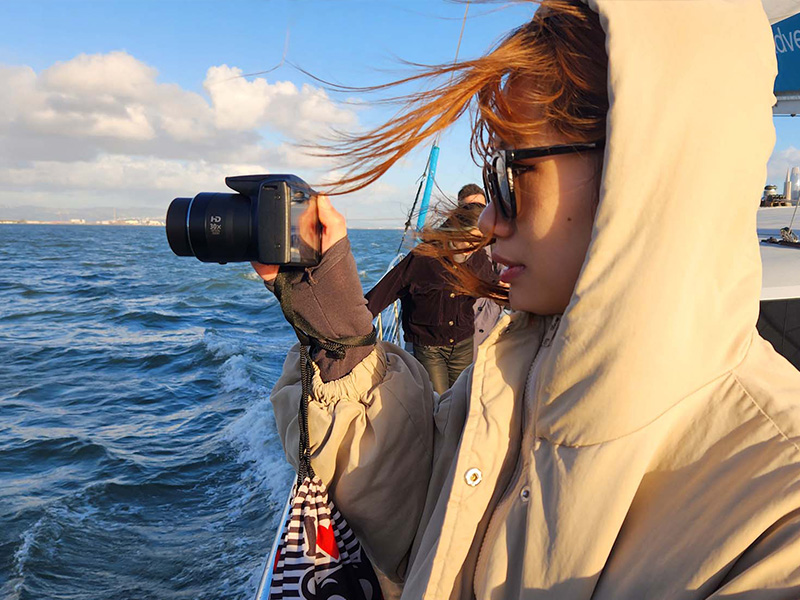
(310, 338)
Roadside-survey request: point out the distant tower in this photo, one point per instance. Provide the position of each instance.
(795, 183)
(787, 185)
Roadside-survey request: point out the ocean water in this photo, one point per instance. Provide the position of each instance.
(138, 452)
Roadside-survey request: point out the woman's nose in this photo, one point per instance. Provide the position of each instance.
(486, 219)
(491, 225)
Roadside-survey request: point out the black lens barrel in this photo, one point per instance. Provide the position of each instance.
(271, 218)
(177, 230)
(212, 227)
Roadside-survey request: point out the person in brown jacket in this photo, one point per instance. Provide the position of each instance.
(625, 433)
(438, 319)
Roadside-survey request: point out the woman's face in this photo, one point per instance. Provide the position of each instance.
(544, 247)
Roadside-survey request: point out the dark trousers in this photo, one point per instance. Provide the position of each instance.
(445, 363)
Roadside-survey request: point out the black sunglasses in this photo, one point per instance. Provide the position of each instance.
(499, 170)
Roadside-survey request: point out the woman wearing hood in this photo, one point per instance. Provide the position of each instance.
(625, 433)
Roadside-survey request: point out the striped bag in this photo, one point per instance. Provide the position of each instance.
(318, 556)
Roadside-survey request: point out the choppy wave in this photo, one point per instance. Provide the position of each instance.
(139, 451)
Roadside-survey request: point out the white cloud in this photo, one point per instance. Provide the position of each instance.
(105, 122)
(116, 74)
(17, 92)
(110, 173)
(100, 132)
(240, 105)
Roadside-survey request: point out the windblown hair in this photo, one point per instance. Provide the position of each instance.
(560, 54)
(561, 51)
(459, 234)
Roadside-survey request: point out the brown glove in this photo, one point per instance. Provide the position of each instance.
(330, 300)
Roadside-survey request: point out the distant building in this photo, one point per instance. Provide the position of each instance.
(769, 192)
(771, 197)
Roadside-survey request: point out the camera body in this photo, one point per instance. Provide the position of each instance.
(272, 219)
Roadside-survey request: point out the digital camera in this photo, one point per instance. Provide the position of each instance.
(272, 219)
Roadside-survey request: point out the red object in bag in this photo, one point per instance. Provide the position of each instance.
(319, 556)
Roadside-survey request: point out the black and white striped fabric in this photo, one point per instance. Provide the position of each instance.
(319, 556)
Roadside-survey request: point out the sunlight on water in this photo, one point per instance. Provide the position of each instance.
(139, 451)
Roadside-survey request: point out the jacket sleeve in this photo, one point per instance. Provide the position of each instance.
(372, 442)
(329, 297)
(392, 286)
(769, 569)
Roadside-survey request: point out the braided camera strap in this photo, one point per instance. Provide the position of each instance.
(310, 338)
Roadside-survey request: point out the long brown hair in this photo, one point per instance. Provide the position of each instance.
(561, 50)
(459, 234)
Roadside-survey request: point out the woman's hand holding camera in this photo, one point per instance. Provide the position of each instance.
(328, 296)
(334, 228)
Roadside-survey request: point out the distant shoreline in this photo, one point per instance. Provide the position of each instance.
(148, 223)
(132, 223)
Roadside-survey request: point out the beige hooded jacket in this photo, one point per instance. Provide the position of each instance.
(647, 443)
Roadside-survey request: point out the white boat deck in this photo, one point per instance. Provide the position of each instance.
(781, 264)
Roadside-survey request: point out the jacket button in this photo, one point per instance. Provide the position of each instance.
(473, 477)
(450, 323)
(525, 494)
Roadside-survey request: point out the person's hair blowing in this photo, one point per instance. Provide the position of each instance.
(561, 50)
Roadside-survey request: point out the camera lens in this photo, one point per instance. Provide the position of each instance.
(177, 229)
(212, 227)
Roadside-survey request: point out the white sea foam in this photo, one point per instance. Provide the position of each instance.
(258, 446)
(219, 346)
(54, 516)
(21, 556)
(23, 553)
(253, 435)
(48, 527)
(235, 375)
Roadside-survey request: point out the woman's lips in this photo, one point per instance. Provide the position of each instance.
(511, 271)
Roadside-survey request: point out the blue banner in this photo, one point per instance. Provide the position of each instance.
(786, 34)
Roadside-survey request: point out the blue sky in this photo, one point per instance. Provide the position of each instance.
(127, 104)
(337, 38)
